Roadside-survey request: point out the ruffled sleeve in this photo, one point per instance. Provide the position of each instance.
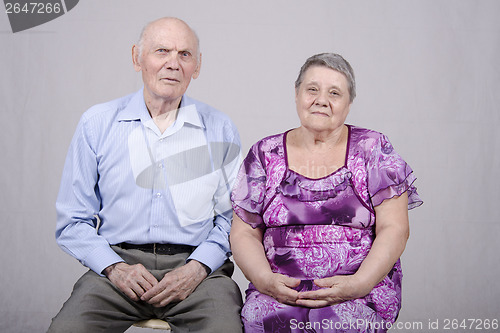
(389, 175)
(249, 189)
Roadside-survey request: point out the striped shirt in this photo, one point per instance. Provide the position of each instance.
(125, 181)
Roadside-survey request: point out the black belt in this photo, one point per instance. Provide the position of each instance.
(157, 248)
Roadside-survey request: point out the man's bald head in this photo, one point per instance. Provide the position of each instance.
(165, 22)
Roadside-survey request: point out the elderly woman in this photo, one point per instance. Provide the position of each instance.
(321, 216)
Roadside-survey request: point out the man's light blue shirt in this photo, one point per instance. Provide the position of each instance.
(125, 181)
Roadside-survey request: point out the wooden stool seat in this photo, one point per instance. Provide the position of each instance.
(153, 323)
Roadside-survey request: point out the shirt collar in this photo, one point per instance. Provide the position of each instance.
(136, 110)
(188, 113)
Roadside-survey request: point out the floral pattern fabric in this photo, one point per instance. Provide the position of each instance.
(317, 228)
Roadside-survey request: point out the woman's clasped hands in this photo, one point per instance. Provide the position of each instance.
(278, 286)
(333, 290)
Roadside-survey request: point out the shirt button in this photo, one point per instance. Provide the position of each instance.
(158, 195)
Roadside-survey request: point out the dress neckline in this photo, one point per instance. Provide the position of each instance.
(348, 144)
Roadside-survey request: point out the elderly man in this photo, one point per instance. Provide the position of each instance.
(144, 200)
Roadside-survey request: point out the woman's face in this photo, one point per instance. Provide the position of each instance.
(322, 99)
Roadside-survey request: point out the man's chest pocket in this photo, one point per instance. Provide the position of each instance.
(194, 199)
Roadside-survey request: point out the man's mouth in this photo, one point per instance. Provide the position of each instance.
(169, 79)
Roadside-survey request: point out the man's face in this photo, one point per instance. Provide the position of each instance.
(168, 61)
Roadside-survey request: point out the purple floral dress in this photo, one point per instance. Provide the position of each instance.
(317, 228)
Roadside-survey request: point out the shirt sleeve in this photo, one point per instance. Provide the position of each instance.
(389, 175)
(215, 249)
(250, 188)
(78, 204)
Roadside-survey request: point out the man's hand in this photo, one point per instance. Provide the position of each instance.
(176, 285)
(132, 280)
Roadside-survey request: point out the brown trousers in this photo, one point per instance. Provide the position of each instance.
(96, 305)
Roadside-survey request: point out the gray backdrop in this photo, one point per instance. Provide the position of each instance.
(428, 76)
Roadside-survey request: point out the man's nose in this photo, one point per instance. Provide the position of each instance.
(172, 61)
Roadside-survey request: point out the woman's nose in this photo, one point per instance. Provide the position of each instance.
(321, 99)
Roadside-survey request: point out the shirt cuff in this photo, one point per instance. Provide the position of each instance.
(209, 254)
(101, 258)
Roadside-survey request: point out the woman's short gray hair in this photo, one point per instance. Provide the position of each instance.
(333, 61)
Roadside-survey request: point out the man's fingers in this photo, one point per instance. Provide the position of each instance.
(161, 299)
(176, 285)
(164, 293)
(156, 289)
(143, 286)
(132, 280)
(147, 280)
(150, 278)
(139, 289)
(140, 281)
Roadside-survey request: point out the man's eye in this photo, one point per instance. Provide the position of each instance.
(185, 54)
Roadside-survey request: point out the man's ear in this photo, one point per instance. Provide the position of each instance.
(197, 71)
(135, 58)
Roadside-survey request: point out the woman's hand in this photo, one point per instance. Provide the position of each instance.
(392, 232)
(336, 289)
(248, 252)
(278, 286)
